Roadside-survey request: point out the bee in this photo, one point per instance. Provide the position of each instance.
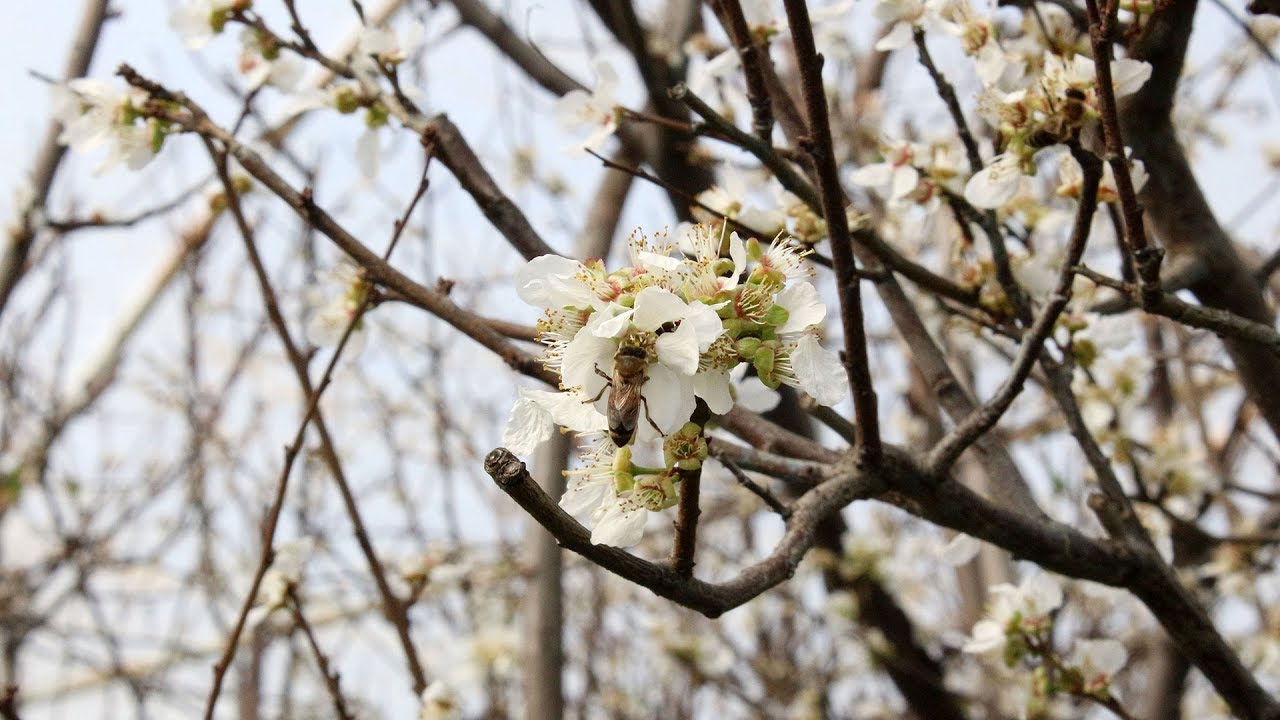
(1062, 125)
(630, 364)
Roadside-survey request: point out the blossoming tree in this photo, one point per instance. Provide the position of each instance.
(829, 399)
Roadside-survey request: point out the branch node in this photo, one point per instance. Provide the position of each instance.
(504, 467)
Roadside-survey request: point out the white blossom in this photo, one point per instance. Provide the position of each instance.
(440, 702)
(197, 21)
(819, 372)
(382, 45)
(996, 184)
(617, 517)
(536, 414)
(336, 300)
(597, 109)
(1031, 602)
(1098, 661)
(960, 550)
(95, 113)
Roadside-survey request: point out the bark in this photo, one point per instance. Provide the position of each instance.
(1180, 215)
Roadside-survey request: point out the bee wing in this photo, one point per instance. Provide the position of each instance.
(624, 409)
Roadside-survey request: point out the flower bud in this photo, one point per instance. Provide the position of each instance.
(686, 448)
(656, 492)
(346, 100)
(747, 347)
(623, 480)
(763, 360)
(376, 116)
(776, 316)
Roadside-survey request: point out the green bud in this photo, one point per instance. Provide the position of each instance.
(1084, 351)
(747, 347)
(376, 116)
(776, 316)
(763, 361)
(346, 100)
(270, 48)
(754, 250)
(218, 20)
(656, 492)
(158, 133)
(686, 448)
(623, 480)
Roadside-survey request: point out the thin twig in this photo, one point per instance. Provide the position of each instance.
(833, 210)
(331, 679)
(756, 489)
(988, 414)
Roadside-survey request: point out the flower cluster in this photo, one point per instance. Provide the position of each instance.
(1020, 624)
(94, 113)
(1017, 617)
(637, 348)
(1040, 87)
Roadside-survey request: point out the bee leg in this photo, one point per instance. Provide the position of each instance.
(608, 384)
(645, 402)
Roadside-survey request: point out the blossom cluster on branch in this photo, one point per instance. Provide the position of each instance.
(698, 313)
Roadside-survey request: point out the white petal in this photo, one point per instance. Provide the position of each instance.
(1138, 174)
(705, 323)
(1129, 75)
(621, 526)
(960, 550)
(656, 306)
(532, 279)
(1041, 594)
(600, 134)
(679, 350)
(899, 36)
(988, 635)
(819, 372)
(653, 262)
(616, 326)
(713, 387)
(584, 497)
(738, 254)
(572, 108)
(754, 395)
(669, 398)
(905, 178)
(570, 410)
(804, 308)
(875, 175)
(582, 356)
(994, 185)
(527, 426)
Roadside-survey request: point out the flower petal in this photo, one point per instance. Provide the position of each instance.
(819, 372)
(669, 398)
(804, 308)
(657, 306)
(584, 354)
(679, 350)
(621, 526)
(996, 184)
(960, 550)
(706, 324)
(534, 277)
(713, 387)
(527, 426)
